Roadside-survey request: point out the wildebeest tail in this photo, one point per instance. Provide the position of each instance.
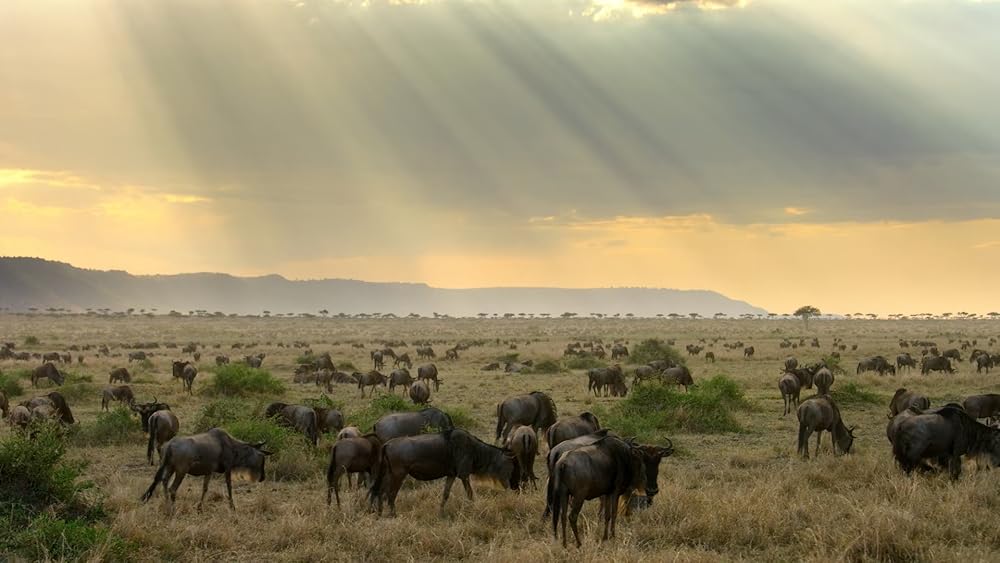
(383, 467)
(160, 474)
(803, 437)
(557, 495)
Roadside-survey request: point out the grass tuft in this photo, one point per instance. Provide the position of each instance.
(654, 349)
(852, 393)
(237, 380)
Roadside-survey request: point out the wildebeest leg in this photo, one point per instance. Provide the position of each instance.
(229, 489)
(204, 490)
(447, 491)
(334, 485)
(394, 484)
(613, 501)
(955, 466)
(178, 479)
(468, 488)
(573, 517)
(819, 434)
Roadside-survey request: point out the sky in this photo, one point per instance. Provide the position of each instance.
(841, 154)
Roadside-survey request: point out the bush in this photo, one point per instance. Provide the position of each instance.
(145, 364)
(461, 418)
(380, 406)
(346, 366)
(31, 341)
(305, 359)
(547, 367)
(239, 380)
(851, 393)
(654, 349)
(221, 413)
(651, 410)
(586, 361)
(10, 386)
(112, 427)
(325, 402)
(255, 429)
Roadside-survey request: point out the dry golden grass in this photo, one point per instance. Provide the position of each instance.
(726, 496)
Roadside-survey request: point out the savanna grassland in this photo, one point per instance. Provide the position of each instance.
(730, 492)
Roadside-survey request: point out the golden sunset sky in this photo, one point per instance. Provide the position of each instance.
(841, 154)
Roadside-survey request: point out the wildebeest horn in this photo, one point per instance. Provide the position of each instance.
(258, 445)
(669, 446)
(851, 430)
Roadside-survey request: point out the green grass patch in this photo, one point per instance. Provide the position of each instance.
(237, 380)
(461, 417)
(654, 349)
(222, 412)
(510, 357)
(547, 367)
(852, 393)
(586, 361)
(346, 367)
(324, 401)
(31, 341)
(10, 386)
(118, 426)
(377, 408)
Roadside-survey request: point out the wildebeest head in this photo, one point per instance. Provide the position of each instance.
(514, 480)
(250, 459)
(651, 457)
(991, 449)
(145, 410)
(845, 439)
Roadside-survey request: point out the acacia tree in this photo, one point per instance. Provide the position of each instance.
(805, 312)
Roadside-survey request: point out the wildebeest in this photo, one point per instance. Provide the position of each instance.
(748, 352)
(642, 373)
(55, 403)
(299, 417)
(400, 377)
(394, 425)
(935, 363)
(47, 370)
(679, 375)
(139, 356)
(429, 372)
(453, 453)
(710, 357)
(420, 393)
(823, 380)
(221, 360)
(51, 357)
(905, 361)
(119, 374)
(20, 417)
(982, 406)
(451, 354)
(328, 420)
(820, 413)
(791, 363)
(875, 363)
(425, 353)
(945, 436)
(186, 372)
(619, 352)
(404, 361)
(145, 410)
(4, 404)
(523, 444)
(352, 455)
(536, 409)
(371, 379)
(610, 380)
(983, 362)
(608, 469)
(255, 360)
(903, 399)
(163, 426)
(204, 454)
(952, 353)
(570, 427)
(377, 361)
(120, 393)
(790, 387)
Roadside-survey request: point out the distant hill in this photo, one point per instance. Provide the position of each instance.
(32, 282)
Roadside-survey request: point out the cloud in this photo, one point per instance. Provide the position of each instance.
(604, 10)
(797, 211)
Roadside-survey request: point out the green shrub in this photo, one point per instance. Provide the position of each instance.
(851, 393)
(118, 426)
(74, 392)
(586, 361)
(10, 386)
(305, 359)
(347, 367)
(240, 380)
(461, 417)
(833, 363)
(222, 412)
(547, 367)
(380, 406)
(654, 349)
(325, 402)
(651, 410)
(254, 429)
(31, 341)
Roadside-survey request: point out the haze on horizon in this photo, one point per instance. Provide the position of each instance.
(840, 154)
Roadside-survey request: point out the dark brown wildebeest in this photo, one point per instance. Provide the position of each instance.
(403, 361)
(377, 361)
(400, 377)
(255, 360)
(451, 354)
(349, 432)
(4, 404)
(145, 410)
(824, 380)
(608, 469)
(451, 454)
(352, 455)
(748, 352)
(66, 358)
(221, 360)
(983, 362)
(570, 427)
(425, 353)
(935, 363)
(394, 425)
(119, 374)
(49, 371)
(186, 372)
(120, 393)
(679, 375)
(643, 373)
(903, 399)
(139, 356)
(905, 360)
(820, 413)
(619, 352)
(536, 409)
(710, 357)
(299, 417)
(945, 436)
(51, 357)
(202, 455)
(328, 420)
(55, 403)
(875, 363)
(371, 379)
(790, 387)
(524, 445)
(163, 426)
(982, 406)
(420, 393)
(605, 379)
(791, 363)
(429, 372)
(952, 353)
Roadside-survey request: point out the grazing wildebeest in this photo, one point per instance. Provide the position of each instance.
(394, 425)
(47, 370)
(372, 379)
(535, 409)
(875, 363)
(349, 432)
(404, 361)
(119, 374)
(328, 420)
(610, 379)
(820, 413)
(377, 361)
(903, 399)
(570, 427)
(322, 378)
(255, 361)
(619, 352)
(137, 356)
(120, 393)
(983, 362)
(791, 363)
(823, 380)
(221, 360)
(608, 469)
(982, 406)
(400, 377)
(642, 373)
(352, 455)
(20, 417)
(710, 357)
(952, 353)
(425, 353)
(186, 372)
(55, 403)
(790, 387)
(935, 363)
(451, 354)
(748, 352)
(905, 361)
(163, 426)
(204, 454)
(429, 372)
(945, 436)
(679, 375)
(420, 393)
(299, 417)
(145, 410)
(524, 445)
(452, 454)
(51, 357)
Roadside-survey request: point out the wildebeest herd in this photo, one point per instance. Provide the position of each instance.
(583, 460)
